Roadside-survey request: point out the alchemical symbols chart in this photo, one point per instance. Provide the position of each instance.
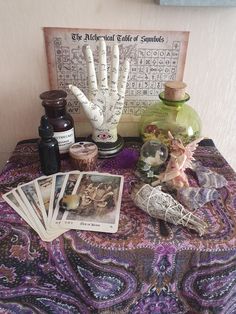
(155, 57)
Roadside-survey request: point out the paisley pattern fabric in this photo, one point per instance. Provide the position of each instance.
(148, 266)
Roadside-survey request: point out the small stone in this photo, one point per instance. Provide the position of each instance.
(70, 202)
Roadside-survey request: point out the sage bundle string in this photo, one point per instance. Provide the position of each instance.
(163, 206)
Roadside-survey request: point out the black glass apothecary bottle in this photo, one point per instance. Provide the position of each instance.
(54, 103)
(49, 155)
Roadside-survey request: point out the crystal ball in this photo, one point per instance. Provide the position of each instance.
(154, 153)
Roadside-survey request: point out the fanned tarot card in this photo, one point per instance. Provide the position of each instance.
(66, 189)
(99, 203)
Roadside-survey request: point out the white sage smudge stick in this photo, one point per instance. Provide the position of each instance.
(163, 206)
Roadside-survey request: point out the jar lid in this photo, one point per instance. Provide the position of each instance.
(56, 96)
(83, 150)
(175, 90)
(53, 95)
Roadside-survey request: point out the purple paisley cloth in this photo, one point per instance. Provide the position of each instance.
(146, 267)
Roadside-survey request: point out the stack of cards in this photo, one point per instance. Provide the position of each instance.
(39, 203)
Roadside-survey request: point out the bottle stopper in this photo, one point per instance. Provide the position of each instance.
(84, 155)
(45, 129)
(174, 90)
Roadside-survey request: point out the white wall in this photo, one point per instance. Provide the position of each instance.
(210, 70)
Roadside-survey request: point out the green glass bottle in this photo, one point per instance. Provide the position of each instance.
(172, 114)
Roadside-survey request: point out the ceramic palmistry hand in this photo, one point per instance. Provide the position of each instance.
(105, 103)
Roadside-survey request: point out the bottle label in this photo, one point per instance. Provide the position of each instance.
(65, 140)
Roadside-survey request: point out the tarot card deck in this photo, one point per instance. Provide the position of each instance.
(40, 203)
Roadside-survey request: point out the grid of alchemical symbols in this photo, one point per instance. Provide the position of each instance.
(70, 70)
(152, 69)
(70, 67)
